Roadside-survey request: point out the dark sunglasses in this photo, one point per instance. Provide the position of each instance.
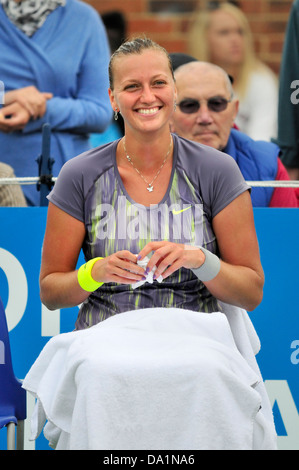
(190, 106)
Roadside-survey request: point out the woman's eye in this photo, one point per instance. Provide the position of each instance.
(133, 86)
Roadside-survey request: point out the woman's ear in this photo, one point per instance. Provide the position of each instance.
(112, 100)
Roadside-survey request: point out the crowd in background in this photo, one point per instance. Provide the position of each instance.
(55, 70)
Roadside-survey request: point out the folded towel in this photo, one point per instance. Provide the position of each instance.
(148, 379)
(248, 343)
(150, 275)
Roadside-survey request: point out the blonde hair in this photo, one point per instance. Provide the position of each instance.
(198, 45)
(136, 46)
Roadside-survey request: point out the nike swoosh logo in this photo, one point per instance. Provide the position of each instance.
(180, 211)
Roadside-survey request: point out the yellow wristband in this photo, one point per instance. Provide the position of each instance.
(84, 276)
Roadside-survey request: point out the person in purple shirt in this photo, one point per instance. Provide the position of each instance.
(167, 230)
(150, 195)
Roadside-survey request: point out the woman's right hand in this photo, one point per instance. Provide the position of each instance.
(120, 267)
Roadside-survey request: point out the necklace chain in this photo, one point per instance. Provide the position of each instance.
(150, 186)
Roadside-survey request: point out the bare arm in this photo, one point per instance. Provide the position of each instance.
(240, 280)
(59, 287)
(61, 248)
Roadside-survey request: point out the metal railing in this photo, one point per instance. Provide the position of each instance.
(46, 180)
(263, 184)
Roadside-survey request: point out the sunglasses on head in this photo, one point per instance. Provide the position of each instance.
(190, 106)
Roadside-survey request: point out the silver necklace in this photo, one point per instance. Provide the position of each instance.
(150, 186)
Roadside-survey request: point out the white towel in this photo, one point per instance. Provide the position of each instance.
(150, 275)
(148, 379)
(248, 343)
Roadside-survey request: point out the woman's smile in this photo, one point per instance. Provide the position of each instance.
(148, 111)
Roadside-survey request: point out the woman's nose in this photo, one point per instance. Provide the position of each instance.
(147, 94)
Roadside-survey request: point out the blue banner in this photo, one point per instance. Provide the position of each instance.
(276, 319)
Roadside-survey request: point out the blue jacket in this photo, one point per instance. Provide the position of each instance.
(257, 161)
(68, 56)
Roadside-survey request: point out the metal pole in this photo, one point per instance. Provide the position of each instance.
(45, 166)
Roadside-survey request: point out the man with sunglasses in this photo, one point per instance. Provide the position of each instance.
(205, 113)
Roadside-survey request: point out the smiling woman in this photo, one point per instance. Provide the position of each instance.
(144, 93)
(149, 168)
(166, 227)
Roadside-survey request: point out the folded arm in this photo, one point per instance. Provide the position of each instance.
(83, 106)
(33, 100)
(21, 106)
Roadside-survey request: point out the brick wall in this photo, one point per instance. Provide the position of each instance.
(166, 21)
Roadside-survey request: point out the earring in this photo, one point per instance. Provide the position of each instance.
(115, 114)
(174, 108)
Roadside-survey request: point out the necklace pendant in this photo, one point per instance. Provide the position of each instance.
(150, 188)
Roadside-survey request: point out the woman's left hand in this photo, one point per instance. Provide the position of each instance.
(168, 257)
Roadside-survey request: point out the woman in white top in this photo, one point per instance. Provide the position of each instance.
(222, 35)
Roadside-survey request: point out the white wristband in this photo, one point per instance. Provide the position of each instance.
(210, 268)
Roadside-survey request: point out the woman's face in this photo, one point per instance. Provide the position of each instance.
(144, 90)
(226, 40)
